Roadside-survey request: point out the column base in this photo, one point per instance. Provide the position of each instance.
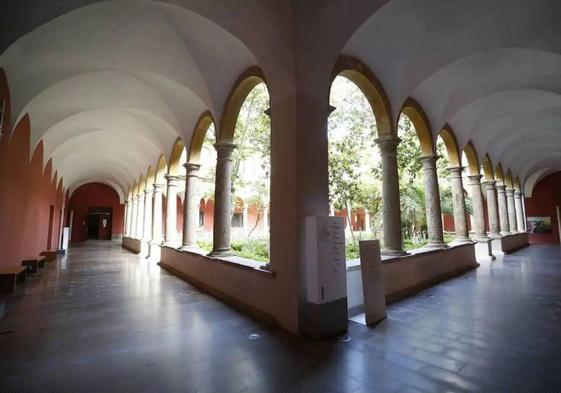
(393, 253)
(188, 247)
(496, 235)
(461, 240)
(435, 244)
(221, 253)
(505, 233)
(482, 239)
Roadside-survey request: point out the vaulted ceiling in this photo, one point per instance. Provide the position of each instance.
(110, 85)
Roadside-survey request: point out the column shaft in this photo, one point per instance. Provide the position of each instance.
(519, 212)
(492, 208)
(392, 241)
(459, 205)
(147, 233)
(140, 218)
(191, 206)
(477, 202)
(222, 199)
(171, 210)
(432, 203)
(503, 210)
(134, 216)
(127, 214)
(157, 211)
(511, 210)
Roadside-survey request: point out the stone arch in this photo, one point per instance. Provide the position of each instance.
(150, 178)
(449, 139)
(175, 157)
(141, 185)
(472, 160)
(516, 182)
(133, 190)
(421, 123)
(161, 170)
(358, 73)
(487, 168)
(508, 179)
(252, 77)
(499, 174)
(203, 124)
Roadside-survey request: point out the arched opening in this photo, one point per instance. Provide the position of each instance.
(251, 171)
(355, 174)
(454, 206)
(206, 158)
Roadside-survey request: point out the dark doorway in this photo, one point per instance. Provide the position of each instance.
(99, 223)
(50, 231)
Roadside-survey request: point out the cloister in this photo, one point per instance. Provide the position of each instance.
(121, 120)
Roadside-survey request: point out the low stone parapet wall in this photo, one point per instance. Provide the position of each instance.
(133, 245)
(510, 243)
(408, 274)
(245, 287)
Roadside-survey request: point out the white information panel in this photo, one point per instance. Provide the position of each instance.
(326, 266)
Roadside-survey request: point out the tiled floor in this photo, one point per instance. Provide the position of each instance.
(104, 320)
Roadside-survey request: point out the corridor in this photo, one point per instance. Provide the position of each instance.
(103, 319)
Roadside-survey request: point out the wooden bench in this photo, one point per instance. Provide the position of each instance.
(9, 277)
(33, 264)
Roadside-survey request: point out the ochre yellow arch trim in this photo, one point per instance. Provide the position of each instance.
(516, 182)
(420, 121)
(161, 170)
(203, 124)
(449, 139)
(499, 174)
(175, 157)
(358, 73)
(242, 87)
(141, 184)
(150, 178)
(508, 179)
(487, 168)
(472, 160)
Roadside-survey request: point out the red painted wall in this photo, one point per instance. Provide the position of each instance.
(94, 195)
(545, 197)
(26, 192)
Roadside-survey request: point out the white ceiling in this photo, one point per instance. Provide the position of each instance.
(123, 79)
(110, 87)
(490, 69)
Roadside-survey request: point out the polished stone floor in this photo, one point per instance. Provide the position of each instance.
(104, 320)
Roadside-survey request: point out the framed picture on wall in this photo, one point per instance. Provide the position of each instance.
(539, 224)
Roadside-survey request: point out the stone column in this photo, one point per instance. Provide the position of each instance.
(492, 208)
(222, 199)
(459, 205)
(171, 210)
(519, 212)
(140, 217)
(134, 216)
(511, 211)
(157, 211)
(191, 206)
(392, 244)
(147, 233)
(432, 203)
(503, 210)
(127, 217)
(477, 202)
